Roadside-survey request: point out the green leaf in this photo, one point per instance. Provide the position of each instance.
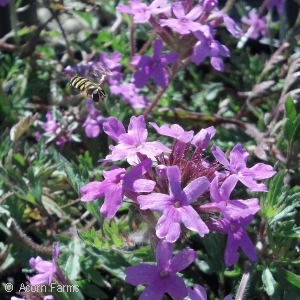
(91, 290)
(72, 265)
(77, 177)
(290, 109)
(296, 132)
(288, 280)
(288, 130)
(88, 265)
(268, 281)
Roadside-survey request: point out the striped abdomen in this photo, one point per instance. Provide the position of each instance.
(88, 87)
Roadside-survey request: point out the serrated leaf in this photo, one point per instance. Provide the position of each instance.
(268, 281)
(77, 177)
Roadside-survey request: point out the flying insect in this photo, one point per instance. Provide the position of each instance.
(90, 88)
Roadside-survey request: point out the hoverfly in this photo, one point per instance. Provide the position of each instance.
(90, 88)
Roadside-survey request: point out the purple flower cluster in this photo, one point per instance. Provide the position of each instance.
(61, 132)
(184, 189)
(47, 272)
(186, 29)
(128, 92)
(256, 25)
(93, 120)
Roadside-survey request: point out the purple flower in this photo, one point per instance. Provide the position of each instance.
(237, 167)
(229, 208)
(176, 208)
(279, 4)
(162, 278)
(93, 121)
(133, 142)
(81, 70)
(116, 184)
(229, 23)
(207, 46)
(141, 12)
(184, 23)
(56, 130)
(4, 2)
(237, 237)
(153, 67)
(256, 25)
(199, 293)
(129, 94)
(46, 269)
(175, 131)
(202, 138)
(113, 64)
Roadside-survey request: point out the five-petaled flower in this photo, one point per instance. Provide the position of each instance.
(93, 120)
(184, 24)
(162, 278)
(130, 94)
(230, 208)
(237, 167)
(153, 67)
(132, 143)
(46, 269)
(116, 184)
(256, 25)
(208, 46)
(237, 237)
(175, 207)
(141, 12)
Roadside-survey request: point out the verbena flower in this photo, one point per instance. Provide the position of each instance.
(133, 142)
(130, 94)
(93, 69)
(55, 130)
(279, 4)
(46, 269)
(256, 25)
(199, 293)
(203, 137)
(113, 64)
(116, 184)
(237, 167)
(153, 67)
(80, 70)
(230, 208)
(175, 207)
(162, 278)
(93, 121)
(175, 131)
(4, 2)
(236, 237)
(184, 23)
(208, 47)
(141, 12)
